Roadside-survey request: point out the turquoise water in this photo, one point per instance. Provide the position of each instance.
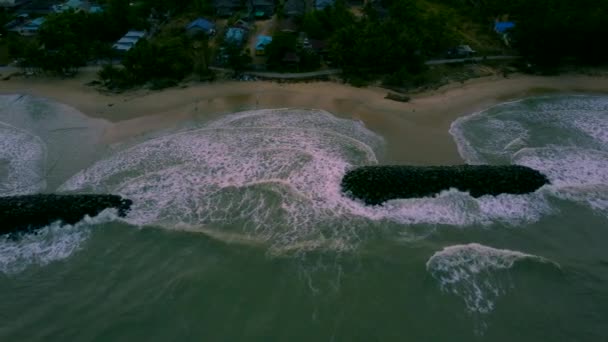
(239, 232)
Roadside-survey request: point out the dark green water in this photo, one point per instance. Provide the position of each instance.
(239, 233)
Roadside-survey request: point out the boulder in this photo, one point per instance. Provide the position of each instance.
(377, 184)
(31, 212)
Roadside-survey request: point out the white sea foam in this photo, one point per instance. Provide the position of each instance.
(563, 137)
(473, 272)
(42, 143)
(51, 243)
(23, 157)
(274, 176)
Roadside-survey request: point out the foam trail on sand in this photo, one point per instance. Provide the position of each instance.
(472, 272)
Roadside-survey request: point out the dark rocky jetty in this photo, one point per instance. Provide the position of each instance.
(378, 184)
(31, 212)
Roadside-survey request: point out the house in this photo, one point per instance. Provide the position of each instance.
(502, 27)
(460, 51)
(31, 28)
(236, 35)
(288, 25)
(226, 8)
(261, 9)
(75, 5)
(199, 26)
(11, 3)
(261, 43)
(322, 4)
(294, 8)
(128, 41)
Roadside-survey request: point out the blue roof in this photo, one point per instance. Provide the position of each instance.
(503, 26)
(202, 24)
(36, 22)
(235, 35)
(262, 42)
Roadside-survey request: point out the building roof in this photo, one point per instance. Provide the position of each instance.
(122, 47)
(127, 40)
(235, 35)
(201, 23)
(135, 34)
(262, 41)
(503, 26)
(36, 23)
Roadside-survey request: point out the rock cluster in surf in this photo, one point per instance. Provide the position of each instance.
(31, 212)
(377, 184)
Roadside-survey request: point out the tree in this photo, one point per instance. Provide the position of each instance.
(281, 44)
(237, 59)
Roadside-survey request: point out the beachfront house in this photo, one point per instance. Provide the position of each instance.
(261, 44)
(200, 26)
(288, 25)
(76, 6)
(226, 8)
(31, 28)
(504, 28)
(236, 36)
(128, 41)
(294, 8)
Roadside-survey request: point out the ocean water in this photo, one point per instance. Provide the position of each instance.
(239, 232)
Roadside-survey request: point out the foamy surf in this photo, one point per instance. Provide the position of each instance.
(563, 137)
(42, 143)
(22, 162)
(52, 243)
(274, 176)
(473, 273)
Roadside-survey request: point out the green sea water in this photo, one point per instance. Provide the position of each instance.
(239, 232)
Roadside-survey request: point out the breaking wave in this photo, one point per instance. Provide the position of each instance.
(476, 273)
(51, 243)
(566, 138)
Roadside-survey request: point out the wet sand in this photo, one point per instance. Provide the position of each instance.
(415, 132)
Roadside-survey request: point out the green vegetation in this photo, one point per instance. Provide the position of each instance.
(387, 40)
(548, 33)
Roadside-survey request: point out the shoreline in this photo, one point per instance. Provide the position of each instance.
(416, 132)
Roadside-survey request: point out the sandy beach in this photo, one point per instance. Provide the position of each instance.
(421, 124)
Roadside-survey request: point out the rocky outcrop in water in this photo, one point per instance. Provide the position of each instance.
(378, 184)
(31, 212)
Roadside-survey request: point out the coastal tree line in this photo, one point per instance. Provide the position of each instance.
(389, 40)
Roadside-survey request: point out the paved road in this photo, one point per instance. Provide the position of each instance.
(295, 75)
(470, 59)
